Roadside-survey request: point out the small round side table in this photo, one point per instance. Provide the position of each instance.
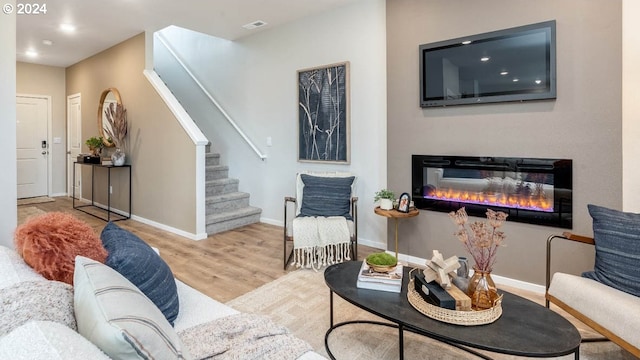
(396, 215)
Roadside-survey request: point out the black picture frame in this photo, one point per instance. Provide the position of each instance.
(404, 202)
(324, 114)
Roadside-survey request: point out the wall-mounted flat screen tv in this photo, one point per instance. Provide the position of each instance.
(516, 64)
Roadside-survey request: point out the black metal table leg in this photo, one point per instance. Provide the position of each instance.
(401, 341)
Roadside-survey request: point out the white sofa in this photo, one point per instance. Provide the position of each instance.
(42, 338)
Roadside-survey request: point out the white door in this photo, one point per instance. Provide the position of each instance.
(74, 142)
(32, 146)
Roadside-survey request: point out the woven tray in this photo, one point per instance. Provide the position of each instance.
(466, 318)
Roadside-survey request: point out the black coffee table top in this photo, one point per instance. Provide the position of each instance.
(525, 328)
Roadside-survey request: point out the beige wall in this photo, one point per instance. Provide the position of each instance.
(160, 152)
(583, 124)
(34, 79)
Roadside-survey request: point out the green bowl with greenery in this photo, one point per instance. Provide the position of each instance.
(381, 262)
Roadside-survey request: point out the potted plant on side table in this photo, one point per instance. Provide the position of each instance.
(95, 145)
(386, 198)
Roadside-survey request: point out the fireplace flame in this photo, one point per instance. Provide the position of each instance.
(516, 201)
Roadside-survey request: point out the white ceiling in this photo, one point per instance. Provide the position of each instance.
(102, 24)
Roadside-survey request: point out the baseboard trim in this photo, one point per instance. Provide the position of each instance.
(155, 224)
(188, 235)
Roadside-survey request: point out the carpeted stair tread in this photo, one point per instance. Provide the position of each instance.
(224, 181)
(213, 172)
(216, 167)
(227, 215)
(222, 186)
(226, 197)
(226, 202)
(228, 220)
(212, 159)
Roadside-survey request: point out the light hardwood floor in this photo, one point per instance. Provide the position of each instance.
(227, 265)
(223, 266)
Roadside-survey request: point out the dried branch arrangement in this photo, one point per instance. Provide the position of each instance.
(116, 115)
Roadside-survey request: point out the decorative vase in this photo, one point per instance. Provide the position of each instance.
(386, 204)
(463, 270)
(118, 157)
(482, 290)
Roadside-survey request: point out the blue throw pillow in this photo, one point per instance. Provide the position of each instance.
(135, 260)
(617, 240)
(326, 196)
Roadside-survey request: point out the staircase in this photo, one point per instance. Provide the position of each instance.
(226, 207)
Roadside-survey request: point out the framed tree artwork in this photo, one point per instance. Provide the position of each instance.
(323, 114)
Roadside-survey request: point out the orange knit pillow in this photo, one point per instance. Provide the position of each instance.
(49, 243)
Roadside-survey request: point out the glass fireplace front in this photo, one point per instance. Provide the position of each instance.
(530, 190)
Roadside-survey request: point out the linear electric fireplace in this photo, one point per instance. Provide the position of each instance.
(530, 190)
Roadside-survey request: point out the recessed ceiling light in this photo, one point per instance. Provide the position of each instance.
(538, 81)
(485, 58)
(504, 73)
(31, 53)
(466, 42)
(516, 79)
(254, 25)
(68, 28)
(47, 42)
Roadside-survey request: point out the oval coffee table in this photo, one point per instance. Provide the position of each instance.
(524, 329)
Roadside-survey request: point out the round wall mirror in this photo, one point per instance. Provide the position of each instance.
(109, 96)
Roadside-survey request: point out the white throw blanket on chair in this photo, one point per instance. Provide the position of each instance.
(320, 241)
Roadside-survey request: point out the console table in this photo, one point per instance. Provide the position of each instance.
(118, 216)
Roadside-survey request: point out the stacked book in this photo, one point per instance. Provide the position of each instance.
(391, 281)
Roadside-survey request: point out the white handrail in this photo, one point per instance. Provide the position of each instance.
(229, 119)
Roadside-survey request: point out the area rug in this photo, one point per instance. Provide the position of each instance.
(35, 200)
(300, 301)
(25, 212)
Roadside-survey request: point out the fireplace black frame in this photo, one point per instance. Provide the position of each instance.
(561, 214)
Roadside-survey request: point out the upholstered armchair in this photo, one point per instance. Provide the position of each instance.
(607, 298)
(321, 221)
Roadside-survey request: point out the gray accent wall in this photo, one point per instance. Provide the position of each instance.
(584, 123)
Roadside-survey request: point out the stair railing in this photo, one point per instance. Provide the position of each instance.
(165, 43)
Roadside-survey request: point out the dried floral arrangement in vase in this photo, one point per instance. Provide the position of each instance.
(116, 116)
(481, 240)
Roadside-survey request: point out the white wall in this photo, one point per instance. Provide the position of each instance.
(8, 185)
(630, 105)
(254, 79)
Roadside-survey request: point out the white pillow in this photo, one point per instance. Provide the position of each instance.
(47, 340)
(116, 316)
